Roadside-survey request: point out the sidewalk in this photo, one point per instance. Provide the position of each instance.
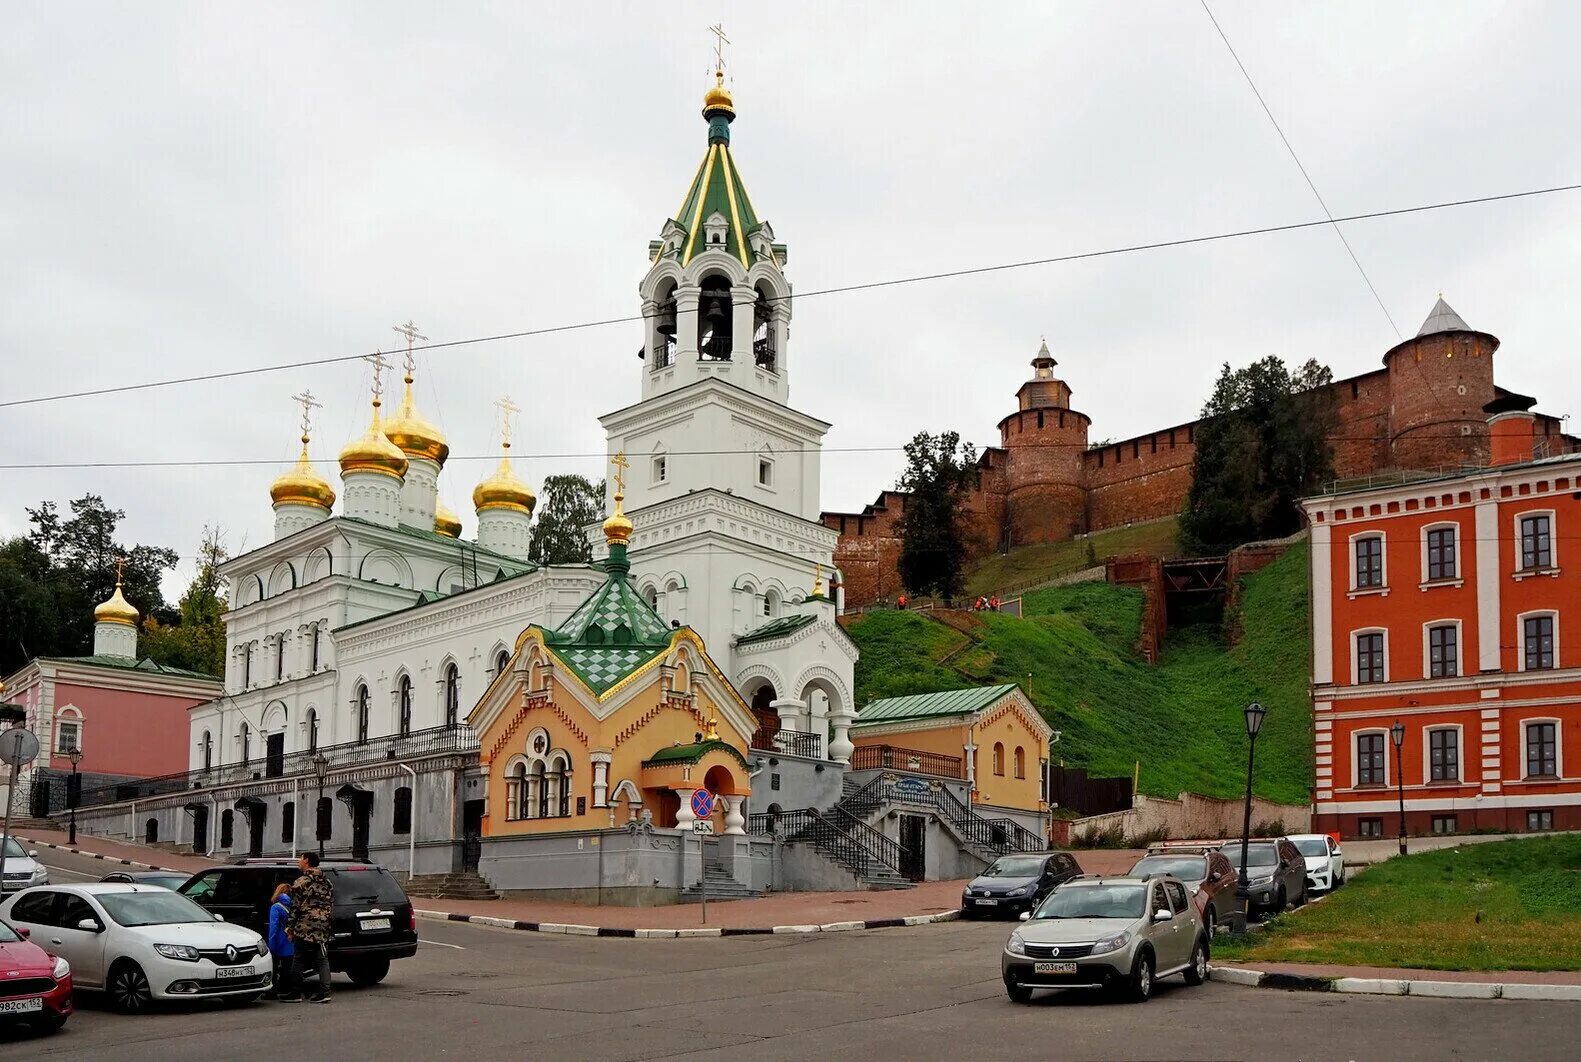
(1379, 980)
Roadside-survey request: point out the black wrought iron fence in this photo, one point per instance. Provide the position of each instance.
(788, 742)
(895, 758)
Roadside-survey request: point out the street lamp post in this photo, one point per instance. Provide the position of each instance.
(1397, 732)
(321, 769)
(72, 791)
(1243, 893)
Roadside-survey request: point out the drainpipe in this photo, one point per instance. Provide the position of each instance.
(411, 827)
(296, 805)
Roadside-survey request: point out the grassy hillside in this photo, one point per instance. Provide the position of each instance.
(1074, 655)
(1026, 564)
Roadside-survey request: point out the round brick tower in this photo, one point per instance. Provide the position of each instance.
(1046, 492)
(1438, 383)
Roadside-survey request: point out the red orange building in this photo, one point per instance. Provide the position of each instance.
(1452, 605)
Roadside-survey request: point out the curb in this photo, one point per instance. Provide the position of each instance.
(671, 934)
(1373, 986)
(102, 858)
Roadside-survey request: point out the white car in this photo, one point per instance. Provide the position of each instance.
(140, 943)
(1325, 861)
(22, 868)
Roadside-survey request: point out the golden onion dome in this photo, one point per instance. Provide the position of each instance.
(117, 609)
(718, 98)
(446, 522)
(372, 452)
(503, 490)
(414, 435)
(302, 485)
(618, 528)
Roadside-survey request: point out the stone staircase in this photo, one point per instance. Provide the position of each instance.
(465, 886)
(721, 886)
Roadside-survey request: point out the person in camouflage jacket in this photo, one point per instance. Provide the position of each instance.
(313, 902)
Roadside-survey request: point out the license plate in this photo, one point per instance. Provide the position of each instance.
(21, 1006)
(1054, 967)
(375, 923)
(225, 973)
(988, 903)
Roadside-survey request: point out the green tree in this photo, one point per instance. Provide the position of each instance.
(197, 642)
(1262, 445)
(569, 504)
(940, 469)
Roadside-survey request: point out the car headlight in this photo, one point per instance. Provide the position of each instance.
(1264, 880)
(62, 969)
(1025, 890)
(41, 876)
(184, 952)
(1111, 943)
(1195, 888)
(1017, 945)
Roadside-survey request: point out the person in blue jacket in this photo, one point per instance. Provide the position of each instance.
(280, 948)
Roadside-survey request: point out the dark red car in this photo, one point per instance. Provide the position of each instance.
(35, 986)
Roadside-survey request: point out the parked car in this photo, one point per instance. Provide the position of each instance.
(1115, 933)
(1206, 873)
(373, 921)
(1017, 883)
(1325, 862)
(22, 868)
(1276, 873)
(140, 943)
(35, 986)
(165, 879)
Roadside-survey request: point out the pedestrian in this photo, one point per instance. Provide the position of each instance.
(312, 904)
(902, 600)
(993, 603)
(280, 949)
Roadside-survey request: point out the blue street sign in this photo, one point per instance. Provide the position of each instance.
(702, 803)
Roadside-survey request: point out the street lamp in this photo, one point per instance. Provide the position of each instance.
(1243, 893)
(321, 769)
(72, 791)
(1397, 732)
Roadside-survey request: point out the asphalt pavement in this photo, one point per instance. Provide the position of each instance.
(924, 992)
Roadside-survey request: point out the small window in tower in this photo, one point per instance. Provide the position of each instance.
(765, 472)
(661, 469)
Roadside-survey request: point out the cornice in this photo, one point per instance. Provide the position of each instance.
(477, 608)
(651, 519)
(1494, 479)
(801, 634)
(711, 390)
(1500, 680)
(130, 681)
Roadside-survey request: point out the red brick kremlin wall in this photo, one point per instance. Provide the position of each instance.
(1043, 483)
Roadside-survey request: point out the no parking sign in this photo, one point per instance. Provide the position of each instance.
(702, 803)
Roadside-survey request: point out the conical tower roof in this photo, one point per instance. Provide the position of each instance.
(717, 187)
(1442, 319)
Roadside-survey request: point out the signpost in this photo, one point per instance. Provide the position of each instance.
(703, 808)
(18, 746)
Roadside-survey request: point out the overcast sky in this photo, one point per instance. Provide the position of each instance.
(197, 187)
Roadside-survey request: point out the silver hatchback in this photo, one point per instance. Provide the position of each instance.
(1119, 933)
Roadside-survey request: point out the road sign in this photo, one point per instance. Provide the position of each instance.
(702, 826)
(19, 747)
(702, 803)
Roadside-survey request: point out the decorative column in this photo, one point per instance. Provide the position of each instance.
(686, 322)
(600, 778)
(794, 715)
(684, 817)
(531, 791)
(840, 747)
(742, 300)
(735, 822)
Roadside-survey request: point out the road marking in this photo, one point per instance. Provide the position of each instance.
(68, 870)
(440, 944)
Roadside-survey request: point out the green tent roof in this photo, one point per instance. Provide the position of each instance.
(692, 753)
(926, 705)
(717, 187)
(612, 633)
(776, 627)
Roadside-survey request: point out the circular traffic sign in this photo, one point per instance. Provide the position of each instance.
(18, 746)
(702, 803)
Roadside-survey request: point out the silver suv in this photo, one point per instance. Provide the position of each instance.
(1119, 933)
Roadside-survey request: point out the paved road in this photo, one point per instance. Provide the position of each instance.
(926, 992)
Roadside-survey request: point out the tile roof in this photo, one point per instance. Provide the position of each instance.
(776, 627)
(692, 753)
(611, 634)
(126, 663)
(927, 705)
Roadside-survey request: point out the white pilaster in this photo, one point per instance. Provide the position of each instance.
(1322, 604)
(1487, 525)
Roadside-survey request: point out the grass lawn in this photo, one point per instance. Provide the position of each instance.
(1027, 564)
(1422, 912)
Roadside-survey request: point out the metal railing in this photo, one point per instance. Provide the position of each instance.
(790, 742)
(996, 835)
(439, 739)
(894, 758)
(836, 833)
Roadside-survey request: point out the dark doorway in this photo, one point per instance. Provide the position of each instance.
(255, 812)
(200, 828)
(471, 834)
(914, 847)
(274, 755)
(151, 832)
(227, 829)
(359, 802)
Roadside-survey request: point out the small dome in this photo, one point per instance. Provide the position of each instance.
(503, 490)
(718, 98)
(302, 485)
(372, 452)
(116, 610)
(414, 435)
(618, 528)
(446, 522)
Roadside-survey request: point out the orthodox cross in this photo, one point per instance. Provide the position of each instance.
(719, 47)
(409, 330)
(379, 363)
(817, 579)
(621, 464)
(308, 403)
(120, 569)
(506, 408)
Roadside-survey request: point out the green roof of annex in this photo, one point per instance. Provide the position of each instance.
(930, 705)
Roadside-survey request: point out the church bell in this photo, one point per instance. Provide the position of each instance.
(667, 319)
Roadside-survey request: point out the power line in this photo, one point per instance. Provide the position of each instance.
(1155, 245)
(1308, 177)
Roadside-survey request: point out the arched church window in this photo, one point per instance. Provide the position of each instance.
(404, 704)
(541, 777)
(312, 730)
(763, 352)
(999, 758)
(516, 793)
(651, 596)
(501, 662)
(715, 320)
(1021, 762)
(247, 665)
(317, 632)
(401, 810)
(279, 656)
(208, 750)
(246, 741)
(362, 715)
(452, 695)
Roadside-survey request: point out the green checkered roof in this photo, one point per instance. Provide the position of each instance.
(611, 634)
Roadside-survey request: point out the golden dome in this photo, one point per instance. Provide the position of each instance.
(618, 528)
(718, 98)
(414, 435)
(446, 522)
(373, 452)
(117, 609)
(302, 485)
(503, 490)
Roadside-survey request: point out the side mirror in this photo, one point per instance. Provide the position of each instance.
(24, 932)
(90, 925)
(1025, 915)
(219, 918)
(1337, 853)
(1162, 915)
(32, 853)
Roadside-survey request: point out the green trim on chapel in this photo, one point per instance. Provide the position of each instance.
(929, 705)
(692, 753)
(777, 627)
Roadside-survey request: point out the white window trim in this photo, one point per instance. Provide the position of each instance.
(1552, 567)
(1382, 590)
(659, 468)
(1458, 577)
(1427, 752)
(1559, 746)
(1427, 648)
(1520, 637)
(67, 713)
(757, 472)
(1355, 655)
(1355, 755)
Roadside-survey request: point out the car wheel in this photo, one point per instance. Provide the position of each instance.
(1210, 920)
(1018, 993)
(1142, 978)
(1197, 972)
(129, 989)
(368, 973)
(1301, 897)
(1282, 901)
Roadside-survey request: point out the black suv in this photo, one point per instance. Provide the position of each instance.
(373, 921)
(1017, 882)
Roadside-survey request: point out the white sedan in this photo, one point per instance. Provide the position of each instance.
(140, 943)
(1325, 862)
